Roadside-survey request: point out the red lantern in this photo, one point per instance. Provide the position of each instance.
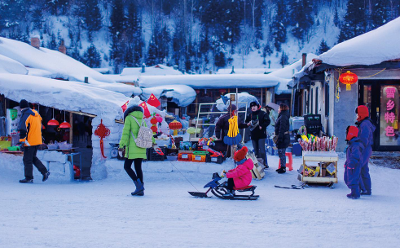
(154, 129)
(175, 125)
(348, 79)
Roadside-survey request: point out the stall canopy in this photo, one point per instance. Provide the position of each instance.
(70, 96)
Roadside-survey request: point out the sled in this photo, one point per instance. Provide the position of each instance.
(258, 169)
(219, 189)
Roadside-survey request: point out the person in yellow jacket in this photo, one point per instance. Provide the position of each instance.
(30, 133)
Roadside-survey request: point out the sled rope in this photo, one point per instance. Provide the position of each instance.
(184, 176)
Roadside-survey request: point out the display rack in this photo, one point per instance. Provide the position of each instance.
(320, 160)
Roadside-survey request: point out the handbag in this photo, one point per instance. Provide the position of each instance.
(275, 139)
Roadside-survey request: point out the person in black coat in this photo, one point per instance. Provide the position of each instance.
(282, 131)
(258, 121)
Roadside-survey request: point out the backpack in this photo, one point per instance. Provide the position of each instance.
(144, 137)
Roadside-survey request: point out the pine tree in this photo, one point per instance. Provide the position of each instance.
(52, 44)
(117, 29)
(379, 13)
(92, 57)
(279, 26)
(284, 59)
(323, 47)
(354, 20)
(301, 15)
(336, 20)
(92, 16)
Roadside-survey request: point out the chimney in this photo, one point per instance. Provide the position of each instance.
(303, 59)
(143, 68)
(35, 42)
(62, 47)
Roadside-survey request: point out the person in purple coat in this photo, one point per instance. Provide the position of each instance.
(366, 136)
(352, 165)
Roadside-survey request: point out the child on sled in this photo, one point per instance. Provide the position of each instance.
(241, 176)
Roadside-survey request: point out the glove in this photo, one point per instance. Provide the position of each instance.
(223, 174)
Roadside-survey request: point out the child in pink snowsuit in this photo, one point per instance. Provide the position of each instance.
(241, 176)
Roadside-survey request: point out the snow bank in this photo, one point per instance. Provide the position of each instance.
(8, 65)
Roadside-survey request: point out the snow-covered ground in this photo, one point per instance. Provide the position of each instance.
(104, 214)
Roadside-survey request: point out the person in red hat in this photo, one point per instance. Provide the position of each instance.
(241, 176)
(366, 135)
(352, 165)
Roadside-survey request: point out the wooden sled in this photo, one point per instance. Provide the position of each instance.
(258, 169)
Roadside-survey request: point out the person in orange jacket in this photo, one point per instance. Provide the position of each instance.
(241, 176)
(30, 133)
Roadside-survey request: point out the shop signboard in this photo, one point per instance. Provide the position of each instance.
(389, 116)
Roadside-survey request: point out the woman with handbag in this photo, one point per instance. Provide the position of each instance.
(133, 153)
(282, 137)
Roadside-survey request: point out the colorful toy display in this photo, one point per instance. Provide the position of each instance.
(175, 125)
(314, 143)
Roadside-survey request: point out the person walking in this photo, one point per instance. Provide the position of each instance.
(258, 121)
(366, 135)
(133, 154)
(282, 131)
(352, 165)
(30, 134)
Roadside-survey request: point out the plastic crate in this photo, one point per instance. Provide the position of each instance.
(152, 155)
(215, 159)
(199, 158)
(185, 156)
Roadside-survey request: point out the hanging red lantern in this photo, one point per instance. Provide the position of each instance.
(102, 131)
(348, 79)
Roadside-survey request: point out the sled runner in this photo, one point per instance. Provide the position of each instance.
(219, 189)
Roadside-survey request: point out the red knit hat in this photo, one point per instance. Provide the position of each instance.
(362, 112)
(351, 132)
(240, 154)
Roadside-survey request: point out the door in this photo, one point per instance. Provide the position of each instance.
(382, 99)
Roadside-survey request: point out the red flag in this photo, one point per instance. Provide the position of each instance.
(153, 101)
(146, 111)
(125, 106)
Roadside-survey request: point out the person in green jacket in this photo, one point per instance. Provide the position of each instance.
(133, 154)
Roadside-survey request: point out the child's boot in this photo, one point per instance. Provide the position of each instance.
(355, 192)
(229, 193)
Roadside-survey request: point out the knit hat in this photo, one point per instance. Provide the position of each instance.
(351, 132)
(254, 104)
(23, 104)
(362, 112)
(240, 154)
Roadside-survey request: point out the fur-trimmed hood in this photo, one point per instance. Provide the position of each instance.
(132, 109)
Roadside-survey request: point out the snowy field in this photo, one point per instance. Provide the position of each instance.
(104, 214)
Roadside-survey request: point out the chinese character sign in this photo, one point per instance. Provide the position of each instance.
(389, 116)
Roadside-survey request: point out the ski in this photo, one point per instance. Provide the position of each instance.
(291, 187)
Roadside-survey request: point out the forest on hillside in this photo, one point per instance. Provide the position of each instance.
(193, 35)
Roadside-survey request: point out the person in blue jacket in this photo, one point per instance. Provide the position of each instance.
(366, 135)
(352, 165)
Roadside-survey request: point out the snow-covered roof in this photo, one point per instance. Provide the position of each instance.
(213, 81)
(182, 95)
(247, 70)
(374, 47)
(70, 95)
(8, 65)
(54, 64)
(152, 70)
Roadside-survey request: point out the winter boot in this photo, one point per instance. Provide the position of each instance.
(355, 192)
(229, 193)
(281, 170)
(139, 187)
(25, 180)
(365, 192)
(141, 193)
(46, 176)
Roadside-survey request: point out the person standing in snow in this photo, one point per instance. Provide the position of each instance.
(30, 134)
(367, 128)
(241, 176)
(282, 131)
(258, 121)
(133, 154)
(222, 125)
(352, 165)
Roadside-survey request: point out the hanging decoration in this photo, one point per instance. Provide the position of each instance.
(175, 125)
(53, 122)
(65, 124)
(153, 122)
(102, 132)
(233, 137)
(348, 79)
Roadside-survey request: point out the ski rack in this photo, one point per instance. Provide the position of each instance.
(217, 113)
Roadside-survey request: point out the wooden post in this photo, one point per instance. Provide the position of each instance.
(71, 122)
